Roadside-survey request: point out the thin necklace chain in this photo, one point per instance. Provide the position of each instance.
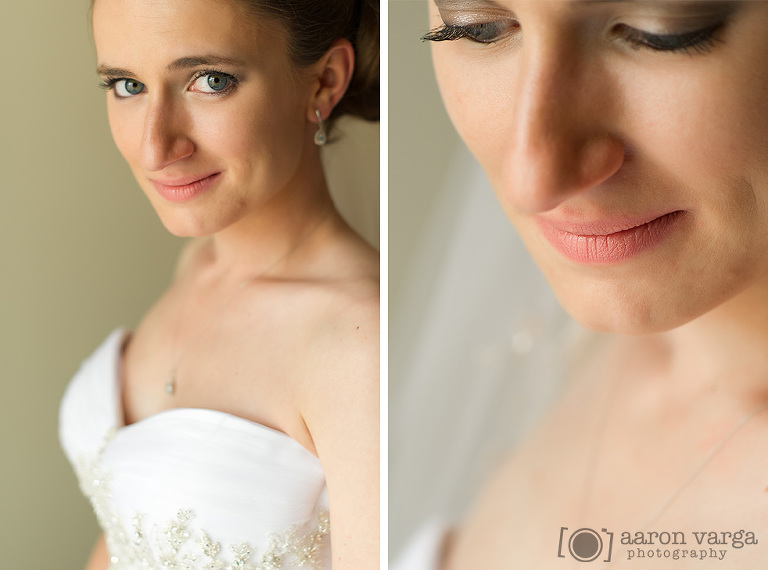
(594, 456)
(171, 381)
(700, 467)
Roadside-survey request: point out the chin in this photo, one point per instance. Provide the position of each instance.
(200, 217)
(187, 233)
(623, 318)
(637, 310)
(187, 226)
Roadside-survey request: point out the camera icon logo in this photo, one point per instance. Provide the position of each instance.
(585, 544)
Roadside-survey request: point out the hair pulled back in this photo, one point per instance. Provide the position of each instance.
(313, 26)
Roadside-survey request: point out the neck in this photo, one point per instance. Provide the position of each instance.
(722, 349)
(273, 233)
(729, 337)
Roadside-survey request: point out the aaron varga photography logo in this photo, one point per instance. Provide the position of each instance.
(585, 544)
(588, 545)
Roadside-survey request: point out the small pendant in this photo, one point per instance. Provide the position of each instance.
(170, 384)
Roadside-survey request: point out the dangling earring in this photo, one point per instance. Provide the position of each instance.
(320, 136)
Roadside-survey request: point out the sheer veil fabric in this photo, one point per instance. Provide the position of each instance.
(477, 353)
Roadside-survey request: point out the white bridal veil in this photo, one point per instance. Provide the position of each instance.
(476, 337)
(477, 351)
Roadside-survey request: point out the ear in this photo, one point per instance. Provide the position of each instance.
(332, 76)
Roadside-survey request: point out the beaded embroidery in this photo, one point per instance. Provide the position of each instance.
(161, 547)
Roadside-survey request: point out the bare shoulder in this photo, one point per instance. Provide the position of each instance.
(339, 399)
(347, 339)
(346, 327)
(343, 341)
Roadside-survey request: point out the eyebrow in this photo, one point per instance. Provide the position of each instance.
(176, 65)
(467, 4)
(196, 61)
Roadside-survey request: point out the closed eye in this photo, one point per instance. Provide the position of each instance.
(701, 41)
(484, 33)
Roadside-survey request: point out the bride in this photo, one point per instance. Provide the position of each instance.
(627, 143)
(237, 426)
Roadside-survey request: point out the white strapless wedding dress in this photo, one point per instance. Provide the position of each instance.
(191, 488)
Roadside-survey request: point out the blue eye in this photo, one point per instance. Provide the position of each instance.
(123, 88)
(213, 82)
(217, 82)
(128, 87)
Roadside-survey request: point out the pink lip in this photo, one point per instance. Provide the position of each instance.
(609, 241)
(184, 189)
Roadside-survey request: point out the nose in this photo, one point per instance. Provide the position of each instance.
(561, 142)
(165, 138)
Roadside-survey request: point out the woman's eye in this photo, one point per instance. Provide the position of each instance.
(696, 41)
(213, 83)
(127, 87)
(484, 33)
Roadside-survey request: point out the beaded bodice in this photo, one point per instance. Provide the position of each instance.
(191, 488)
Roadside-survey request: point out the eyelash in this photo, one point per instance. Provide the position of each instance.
(698, 41)
(234, 81)
(108, 83)
(450, 32)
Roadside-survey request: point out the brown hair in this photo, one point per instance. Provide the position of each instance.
(313, 25)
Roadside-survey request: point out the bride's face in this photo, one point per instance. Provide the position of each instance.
(627, 141)
(205, 105)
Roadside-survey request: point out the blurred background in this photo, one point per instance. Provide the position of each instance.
(82, 253)
(476, 336)
(422, 140)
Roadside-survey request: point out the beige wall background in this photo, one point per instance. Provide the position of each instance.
(81, 252)
(422, 148)
(422, 142)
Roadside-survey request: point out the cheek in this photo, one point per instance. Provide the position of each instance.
(479, 100)
(234, 134)
(706, 133)
(707, 137)
(126, 126)
(259, 137)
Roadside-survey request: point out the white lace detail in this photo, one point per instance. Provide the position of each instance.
(161, 547)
